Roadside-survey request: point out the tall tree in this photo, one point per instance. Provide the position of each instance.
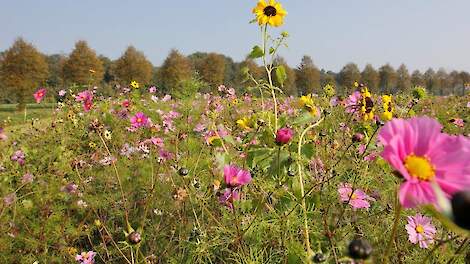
(465, 79)
(388, 78)
(442, 79)
(327, 77)
(211, 68)
(370, 77)
(133, 66)
(430, 80)
(307, 76)
(22, 70)
(83, 66)
(417, 79)
(403, 78)
(175, 70)
(288, 87)
(55, 63)
(348, 76)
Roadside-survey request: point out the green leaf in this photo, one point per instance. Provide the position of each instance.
(256, 52)
(271, 50)
(281, 74)
(308, 150)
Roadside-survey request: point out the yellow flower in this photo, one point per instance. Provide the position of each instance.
(306, 102)
(388, 107)
(270, 13)
(72, 251)
(244, 123)
(107, 134)
(92, 145)
(367, 108)
(356, 84)
(135, 84)
(211, 140)
(97, 223)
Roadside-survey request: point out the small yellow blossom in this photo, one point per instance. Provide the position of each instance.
(244, 123)
(135, 85)
(388, 107)
(367, 108)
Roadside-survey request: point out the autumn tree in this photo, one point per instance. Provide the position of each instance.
(133, 66)
(442, 82)
(288, 86)
(417, 79)
(327, 77)
(55, 64)
(211, 68)
(83, 66)
(348, 76)
(403, 79)
(370, 77)
(307, 76)
(175, 70)
(22, 70)
(388, 78)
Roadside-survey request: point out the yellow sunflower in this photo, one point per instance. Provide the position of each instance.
(388, 107)
(367, 107)
(135, 84)
(306, 102)
(244, 123)
(270, 13)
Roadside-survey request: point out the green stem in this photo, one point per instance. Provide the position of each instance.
(301, 181)
(394, 230)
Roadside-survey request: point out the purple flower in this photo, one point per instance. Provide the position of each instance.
(152, 89)
(357, 199)
(27, 178)
(86, 257)
(235, 177)
(420, 230)
(9, 199)
(19, 157)
(139, 120)
(228, 196)
(284, 135)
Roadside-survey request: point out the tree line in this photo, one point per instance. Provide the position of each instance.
(23, 69)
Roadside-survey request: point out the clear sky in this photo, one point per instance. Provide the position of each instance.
(419, 33)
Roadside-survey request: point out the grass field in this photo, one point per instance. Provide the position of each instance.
(142, 180)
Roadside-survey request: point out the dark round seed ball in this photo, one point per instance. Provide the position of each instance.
(183, 171)
(359, 249)
(318, 258)
(461, 209)
(134, 238)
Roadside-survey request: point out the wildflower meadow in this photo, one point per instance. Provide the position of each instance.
(259, 176)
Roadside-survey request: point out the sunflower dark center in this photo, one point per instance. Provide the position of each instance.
(369, 104)
(270, 11)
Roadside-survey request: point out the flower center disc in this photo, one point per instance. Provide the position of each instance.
(419, 167)
(420, 229)
(270, 11)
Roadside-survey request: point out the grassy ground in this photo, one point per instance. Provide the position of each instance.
(9, 114)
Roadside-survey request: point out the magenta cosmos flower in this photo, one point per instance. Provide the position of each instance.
(420, 230)
(39, 95)
(235, 177)
(421, 153)
(86, 257)
(139, 120)
(357, 199)
(284, 135)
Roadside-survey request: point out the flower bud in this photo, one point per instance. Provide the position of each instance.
(284, 135)
(134, 238)
(359, 249)
(461, 208)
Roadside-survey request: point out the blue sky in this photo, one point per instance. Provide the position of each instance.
(419, 33)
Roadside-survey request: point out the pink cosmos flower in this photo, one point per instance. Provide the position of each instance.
(235, 177)
(139, 120)
(86, 257)
(2, 135)
(353, 102)
(458, 122)
(39, 95)
(62, 93)
(27, 178)
(19, 157)
(284, 135)
(421, 153)
(84, 96)
(420, 230)
(357, 199)
(228, 196)
(126, 103)
(153, 89)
